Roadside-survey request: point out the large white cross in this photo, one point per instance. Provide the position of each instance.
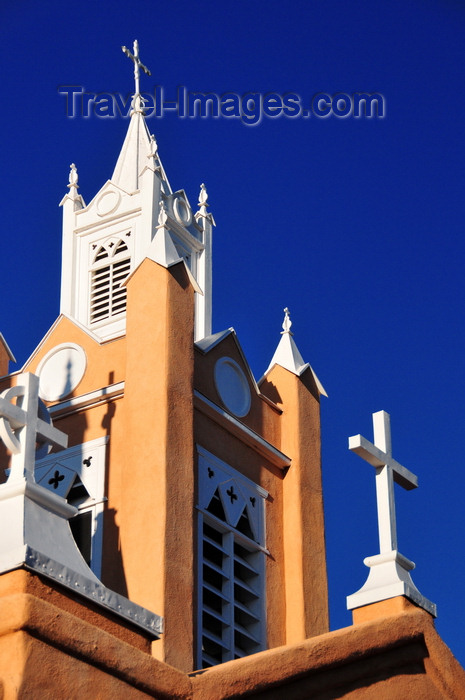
(388, 470)
(137, 64)
(25, 424)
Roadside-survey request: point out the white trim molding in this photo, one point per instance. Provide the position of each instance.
(243, 432)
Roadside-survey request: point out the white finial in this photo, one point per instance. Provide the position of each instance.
(73, 180)
(162, 216)
(137, 101)
(73, 176)
(203, 196)
(203, 203)
(153, 147)
(287, 323)
(392, 578)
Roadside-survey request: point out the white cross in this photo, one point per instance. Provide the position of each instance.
(388, 470)
(137, 64)
(24, 424)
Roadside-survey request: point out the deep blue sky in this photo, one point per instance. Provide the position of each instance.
(356, 225)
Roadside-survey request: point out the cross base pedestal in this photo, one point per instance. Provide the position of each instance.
(389, 577)
(35, 534)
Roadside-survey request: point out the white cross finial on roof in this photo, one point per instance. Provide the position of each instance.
(389, 570)
(137, 64)
(24, 424)
(388, 470)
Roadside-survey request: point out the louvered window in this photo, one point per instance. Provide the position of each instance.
(231, 619)
(111, 266)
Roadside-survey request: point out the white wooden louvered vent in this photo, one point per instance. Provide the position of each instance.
(111, 266)
(231, 605)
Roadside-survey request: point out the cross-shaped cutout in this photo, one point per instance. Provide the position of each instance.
(56, 478)
(231, 494)
(379, 455)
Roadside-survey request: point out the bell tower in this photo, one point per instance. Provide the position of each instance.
(197, 489)
(105, 240)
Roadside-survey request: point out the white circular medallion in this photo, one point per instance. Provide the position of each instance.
(60, 371)
(181, 211)
(108, 202)
(232, 386)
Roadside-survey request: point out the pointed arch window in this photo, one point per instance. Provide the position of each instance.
(111, 265)
(231, 566)
(78, 475)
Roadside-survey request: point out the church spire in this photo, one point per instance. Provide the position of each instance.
(137, 146)
(287, 354)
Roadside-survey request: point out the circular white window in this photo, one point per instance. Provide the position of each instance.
(60, 371)
(232, 386)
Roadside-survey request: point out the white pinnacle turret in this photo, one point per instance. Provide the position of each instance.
(287, 354)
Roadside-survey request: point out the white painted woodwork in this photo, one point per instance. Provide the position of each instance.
(128, 207)
(34, 530)
(389, 570)
(287, 354)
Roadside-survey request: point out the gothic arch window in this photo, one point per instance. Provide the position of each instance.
(110, 266)
(78, 475)
(231, 566)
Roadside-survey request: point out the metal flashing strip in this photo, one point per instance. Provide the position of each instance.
(95, 592)
(247, 435)
(93, 398)
(7, 348)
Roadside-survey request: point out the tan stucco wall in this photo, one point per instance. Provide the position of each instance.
(46, 651)
(305, 578)
(156, 452)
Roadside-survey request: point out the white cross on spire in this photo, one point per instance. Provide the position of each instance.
(25, 423)
(137, 64)
(388, 470)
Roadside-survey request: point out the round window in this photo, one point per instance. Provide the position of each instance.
(232, 386)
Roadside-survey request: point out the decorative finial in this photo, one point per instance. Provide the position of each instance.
(153, 147)
(202, 203)
(73, 175)
(287, 323)
(203, 196)
(162, 216)
(137, 101)
(73, 181)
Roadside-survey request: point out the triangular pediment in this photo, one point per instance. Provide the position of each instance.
(223, 374)
(110, 200)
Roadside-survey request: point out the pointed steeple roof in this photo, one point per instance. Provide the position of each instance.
(287, 354)
(138, 145)
(134, 154)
